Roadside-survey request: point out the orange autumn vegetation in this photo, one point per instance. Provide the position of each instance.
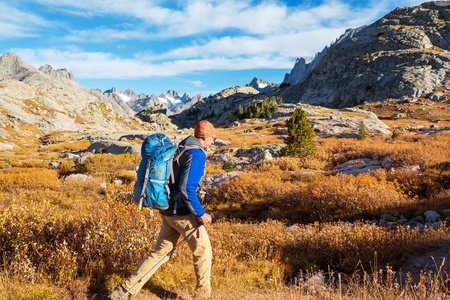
(295, 215)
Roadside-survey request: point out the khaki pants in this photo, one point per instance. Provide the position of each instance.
(171, 229)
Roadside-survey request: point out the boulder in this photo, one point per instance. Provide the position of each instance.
(217, 180)
(273, 149)
(82, 177)
(114, 147)
(358, 166)
(83, 157)
(55, 164)
(386, 163)
(431, 216)
(70, 155)
(418, 219)
(388, 218)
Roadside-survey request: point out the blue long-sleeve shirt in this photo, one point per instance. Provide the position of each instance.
(189, 170)
(196, 173)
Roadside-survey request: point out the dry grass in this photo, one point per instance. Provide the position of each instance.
(64, 238)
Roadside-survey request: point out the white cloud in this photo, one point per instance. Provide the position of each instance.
(198, 83)
(108, 66)
(204, 16)
(268, 35)
(286, 45)
(102, 35)
(15, 23)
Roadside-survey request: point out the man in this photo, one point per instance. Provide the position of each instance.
(184, 214)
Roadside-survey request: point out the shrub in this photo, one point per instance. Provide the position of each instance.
(229, 166)
(342, 197)
(101, 164)
(300, 140)
(395, 134)
(361, 131)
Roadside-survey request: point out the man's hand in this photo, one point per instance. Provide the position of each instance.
(205, 219)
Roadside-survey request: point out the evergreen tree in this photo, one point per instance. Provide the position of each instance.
(362, 131)
(300, 140)
(395, 134)
(260, 108)
(229, 165)
(240, 111)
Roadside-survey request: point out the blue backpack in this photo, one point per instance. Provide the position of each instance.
(152, 185)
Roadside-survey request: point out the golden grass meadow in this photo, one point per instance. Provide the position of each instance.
(288, 228)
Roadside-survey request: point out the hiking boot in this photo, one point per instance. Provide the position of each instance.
(118, 292)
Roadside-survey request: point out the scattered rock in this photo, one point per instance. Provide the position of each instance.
(83, 157)
(386, 163)
(418, 219)
(273, 149)
(82, 177)
(70, 156)
(114, 147)
(431, 216)
(55, 164)
(283, 131)
(388, 218)
(358, 166)
(221, 143)
(401, 115)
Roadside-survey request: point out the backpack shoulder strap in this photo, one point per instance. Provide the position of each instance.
(176, 159)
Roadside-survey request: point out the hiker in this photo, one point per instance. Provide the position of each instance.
(183, 215)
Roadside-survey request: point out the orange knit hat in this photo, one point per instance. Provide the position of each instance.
(204, 129)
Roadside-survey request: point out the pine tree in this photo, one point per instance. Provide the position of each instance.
(395, 134)
(362, 131)
(240, 112)
(229, 165)
(300, 140)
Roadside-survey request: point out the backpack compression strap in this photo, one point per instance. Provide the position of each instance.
(141, 200)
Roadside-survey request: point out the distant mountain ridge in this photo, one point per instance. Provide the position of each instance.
(172, 100)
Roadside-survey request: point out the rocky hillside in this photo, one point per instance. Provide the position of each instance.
(12, 67)
(219, 108)
(34, 102)
(404, 54)
(303, 66)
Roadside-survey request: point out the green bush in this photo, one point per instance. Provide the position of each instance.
(361, 131)
(300, 140)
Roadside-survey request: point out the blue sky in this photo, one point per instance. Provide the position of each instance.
(199, 46)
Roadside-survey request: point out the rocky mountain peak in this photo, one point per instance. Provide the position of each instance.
(404, 54)
(171, 93)
(61, 74)
(185, 98)
(12, 66)
(262, 86)
(303, 66)
(113, 90)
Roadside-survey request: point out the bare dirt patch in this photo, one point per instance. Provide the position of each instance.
(436, 261)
